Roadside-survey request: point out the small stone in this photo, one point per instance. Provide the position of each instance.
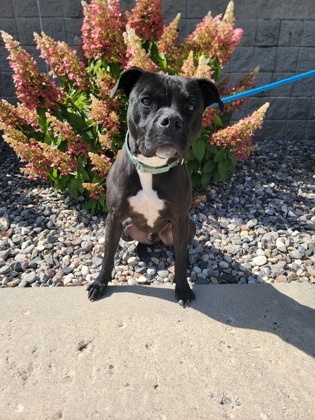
(23, 283)
(4, 270)
(4, 224)
(17, 266)
(151, 271)
(14, 283)
(57, 277)
(251, 223)
(4, 254)
(142, 280)
(87, 246)
(295, 254)
(260, 260)
(97, 261)
(260, 252)
(50, 272)
(311, 270)
(85, 270)
(171, 269)
(133, 261)
(68, 278)
(36, 284)
(29, 277)
(16, 239)
(197, 270)
(223, 264)
(281, 279)
(132, 282)
(292, 276)
(163, 274)
(201, 279)
(67, 270)
(52, 239)
(281, 245)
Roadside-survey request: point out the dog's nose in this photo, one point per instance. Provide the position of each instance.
(172, 122)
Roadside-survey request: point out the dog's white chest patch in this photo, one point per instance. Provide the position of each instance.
(146, 201)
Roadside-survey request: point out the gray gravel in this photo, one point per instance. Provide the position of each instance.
(258, 227)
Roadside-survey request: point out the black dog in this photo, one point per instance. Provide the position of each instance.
(148, 187)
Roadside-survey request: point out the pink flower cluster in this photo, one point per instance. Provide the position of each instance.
(105, 83)
(33, 88)
(136, 54)
(168, 44)
(103, 114)
(62, 60)
(208, 117)
(40, 157)
(147, 20)
(9, 115)
(215, 37)
(203, 70)
(238, 137)
(17, 116)
(102, 31)
(63, 132)
(188, 68)
(101, 163)
(95, 189)
(62, 161)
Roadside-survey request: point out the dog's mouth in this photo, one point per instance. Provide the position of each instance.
(166, 151)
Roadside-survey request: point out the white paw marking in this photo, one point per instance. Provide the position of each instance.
(146, 201)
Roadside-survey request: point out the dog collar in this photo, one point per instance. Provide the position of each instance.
(147, 168)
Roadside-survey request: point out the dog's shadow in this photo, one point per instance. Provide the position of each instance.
(254, 307)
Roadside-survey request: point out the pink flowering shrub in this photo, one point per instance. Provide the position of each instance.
(68, 130)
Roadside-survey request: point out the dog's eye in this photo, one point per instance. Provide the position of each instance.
(146, 101)
(191, 107)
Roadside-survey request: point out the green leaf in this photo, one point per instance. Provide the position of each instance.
(193, 166)
(196, 179)
(199, 148)
(42, 120)
(90, 204)
(223, 169)
(221, 154)
(84, 173)
(73, 188)
(217, 120)
(208, 167)
(205, 179)
(190, 156)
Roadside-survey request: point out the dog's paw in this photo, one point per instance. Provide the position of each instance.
(96, 290)
(184, 296)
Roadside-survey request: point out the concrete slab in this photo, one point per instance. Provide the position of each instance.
(239, 352)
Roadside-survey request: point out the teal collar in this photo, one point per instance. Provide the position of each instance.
(150, 169)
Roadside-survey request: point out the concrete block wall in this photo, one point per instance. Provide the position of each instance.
(279, 37)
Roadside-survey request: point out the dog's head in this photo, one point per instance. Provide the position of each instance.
(165, 112)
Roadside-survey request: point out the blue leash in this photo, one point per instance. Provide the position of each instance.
(263, 88)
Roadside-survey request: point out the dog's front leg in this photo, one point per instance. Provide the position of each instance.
(113, 230)
(181, 233)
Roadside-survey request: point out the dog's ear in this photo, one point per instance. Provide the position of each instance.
(127, 80)
(210, 93)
